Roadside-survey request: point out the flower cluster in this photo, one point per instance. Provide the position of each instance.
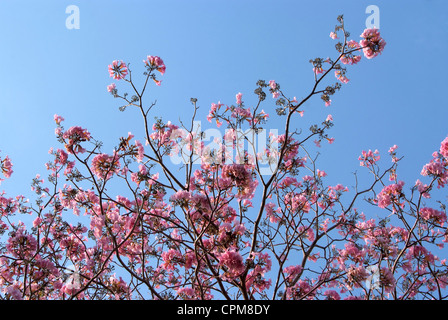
(444, 148)
(58, 119)
(73, 137)
(340, 75)
(155, 63)
(435, 216)
(239, 175)
(350, 58)
(21, 244)
(233, 263)
(257, 277)
(274, 87)
(118, 70)
(368, 158)
(391, 194)
(372, 44)
(104, 165)
(6, 167)
(166, 134)
(438, 166)
(213, 113)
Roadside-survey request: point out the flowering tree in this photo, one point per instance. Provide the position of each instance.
(225, 226)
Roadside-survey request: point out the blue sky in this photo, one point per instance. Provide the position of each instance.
(213, 50)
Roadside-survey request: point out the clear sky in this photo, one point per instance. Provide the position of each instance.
(214, 49)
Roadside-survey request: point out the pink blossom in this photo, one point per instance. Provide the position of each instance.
(233, 262)
(332, 295)
(111, 87)
(349, 58)
(353, 298)
(104, 165)
(321, 173)
(15, 291)
(21, 244)
(297, 202)
(310, 234)
(213, 111)
(356, 275)
(318, 70)
(372, 44)
(437, 168)
(61, 157)
(119, 288)
(247, 203)
(393, 148)
(387, 279)
(6, 166)
(341, 77)
(255, 278)
(186, 293)
(241, 113)
(390, 194)
(352, 44)
(353, 252)
(274, 87)
(156, 62)
(288, 181)
(37, 222)
(435, 216)
(190, 259)
(58, 119)
(162, 69)
(422, 188)
(171, 258)
(292, 272)
(333, 35)
(140, 151)
(302, 288)
(240, 175)
(271, 214)
(444, 148)
(238, 98)
(118, 70)
(69, 167)
(140, 175)
(75, 135)
(369, 158)
(261, 116)
(417, 251)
